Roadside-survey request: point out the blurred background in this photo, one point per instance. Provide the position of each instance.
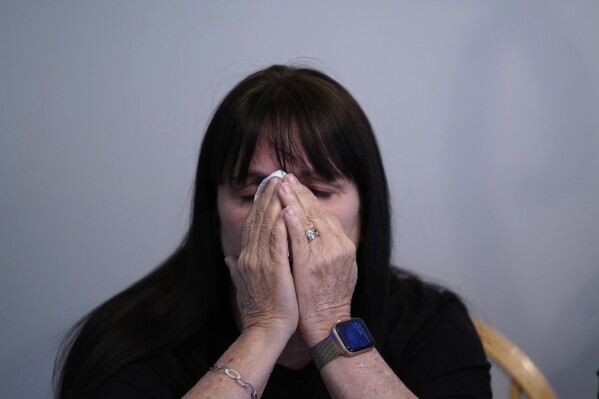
(487, 114)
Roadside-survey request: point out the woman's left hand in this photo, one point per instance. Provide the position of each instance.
(324, 269)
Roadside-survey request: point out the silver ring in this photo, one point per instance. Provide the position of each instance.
(311, 234)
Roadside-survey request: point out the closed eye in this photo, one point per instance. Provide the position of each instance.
(247, 193)
(321, 194)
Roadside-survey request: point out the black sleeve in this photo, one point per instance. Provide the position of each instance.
(446, 360)
(433, 347)
(142, 380)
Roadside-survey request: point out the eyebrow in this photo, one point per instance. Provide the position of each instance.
(259, 175)
(253, 177)
(256, 176)
(312, 175)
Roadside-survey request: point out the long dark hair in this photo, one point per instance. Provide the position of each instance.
(299, 111)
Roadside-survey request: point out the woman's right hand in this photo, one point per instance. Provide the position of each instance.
(261, 274)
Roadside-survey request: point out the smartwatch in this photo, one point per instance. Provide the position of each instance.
(347, 338)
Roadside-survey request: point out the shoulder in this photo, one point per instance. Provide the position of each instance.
(430, 340)
(415, 305)
(413, 299)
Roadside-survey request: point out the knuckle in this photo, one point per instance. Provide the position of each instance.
(268, 220)
(260, 212)
(349, 245)
(247, 233)
(276, 238)
(247, 227)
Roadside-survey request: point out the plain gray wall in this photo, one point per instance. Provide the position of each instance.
(487, 113)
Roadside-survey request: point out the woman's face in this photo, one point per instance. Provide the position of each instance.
(339, 197)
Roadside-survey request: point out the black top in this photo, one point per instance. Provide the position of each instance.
(429, 342)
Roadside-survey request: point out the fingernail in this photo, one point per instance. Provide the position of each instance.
(286, 188)
(290, 177)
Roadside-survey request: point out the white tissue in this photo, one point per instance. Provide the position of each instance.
(263, 183)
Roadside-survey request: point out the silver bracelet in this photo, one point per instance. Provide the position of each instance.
(249, 388)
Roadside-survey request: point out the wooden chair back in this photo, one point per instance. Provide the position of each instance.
(525, 377)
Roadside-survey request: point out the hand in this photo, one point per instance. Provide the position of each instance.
(324, 270)
(262, 277)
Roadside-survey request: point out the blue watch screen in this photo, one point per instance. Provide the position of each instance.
(355, 335)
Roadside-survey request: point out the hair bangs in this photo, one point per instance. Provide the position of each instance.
(303, 125)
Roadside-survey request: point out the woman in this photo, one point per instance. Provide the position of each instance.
(248, 305)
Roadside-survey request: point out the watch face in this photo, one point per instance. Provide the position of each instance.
(354, 335)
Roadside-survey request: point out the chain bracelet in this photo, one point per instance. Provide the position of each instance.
(249, 388)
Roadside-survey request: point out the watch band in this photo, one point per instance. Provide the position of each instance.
(324, 351)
